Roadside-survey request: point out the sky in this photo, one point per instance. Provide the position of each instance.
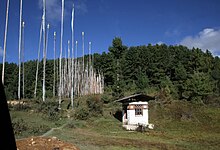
(192, 23)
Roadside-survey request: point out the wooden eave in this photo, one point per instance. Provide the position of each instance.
(135, 98)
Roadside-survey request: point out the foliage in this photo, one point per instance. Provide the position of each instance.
(117, 48)
(106, 98)
(212, 100)
(22, 127)
(198, 85)
(19, 126)
(142, 81)
(87, 107)
(190, 74)
(49, 109)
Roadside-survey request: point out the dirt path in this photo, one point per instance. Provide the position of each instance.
(45, 142)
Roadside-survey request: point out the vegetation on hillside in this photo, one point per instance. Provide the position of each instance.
(178, 125)
(185, 82)
(185, 74)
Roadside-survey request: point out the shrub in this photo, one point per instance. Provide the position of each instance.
(49, 109)
(212, 100)
(76, 124)
(39, 129)
(19, 105)
(86, 107)
(81, 113)
(19, 126)
(106, 98)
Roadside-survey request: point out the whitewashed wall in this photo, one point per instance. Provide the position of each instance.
(137, 119)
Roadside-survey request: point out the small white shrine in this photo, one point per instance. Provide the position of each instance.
(135, 111)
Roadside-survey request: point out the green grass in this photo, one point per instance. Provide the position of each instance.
(173, 130)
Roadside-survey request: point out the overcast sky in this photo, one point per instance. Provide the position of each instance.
(193, 23)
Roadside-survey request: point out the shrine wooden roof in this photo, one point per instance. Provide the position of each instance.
(135, 97)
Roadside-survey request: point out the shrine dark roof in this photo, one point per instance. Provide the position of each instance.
(135, 97)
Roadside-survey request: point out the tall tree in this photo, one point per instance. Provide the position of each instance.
(198, 85)
(117, 49)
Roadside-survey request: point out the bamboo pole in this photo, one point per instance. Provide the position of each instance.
(65, 74)
(38, 59)
(76, 71)
(90, 69)
(92, 73)
(83, 64)
(23, 58)
(83, 49)
(5, 41)
(61, 48)
(73, 68)
(19, 53)
(54, 65)
(69, 71)
(44, 47)
(47, 35)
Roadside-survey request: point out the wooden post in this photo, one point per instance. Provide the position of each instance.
(23, 58)
(5, 42)
(54, 65)
(19, 53)
(61, 49)
(44, 47)
(35, 89)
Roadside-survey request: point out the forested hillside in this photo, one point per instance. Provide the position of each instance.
(178, 72)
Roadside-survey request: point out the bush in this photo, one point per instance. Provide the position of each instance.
(39, 129)
(175, 111)
(20, 106)
(180, 110)
(81, 113)
(212, 100)
(76, 124)
(86, 107)
(106, 98)
(19, 126)
(49, 109)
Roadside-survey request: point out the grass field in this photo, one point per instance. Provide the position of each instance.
(177, 126)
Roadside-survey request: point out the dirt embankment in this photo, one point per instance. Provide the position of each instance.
(44, 143)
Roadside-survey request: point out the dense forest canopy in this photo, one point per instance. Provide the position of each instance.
(183, 73)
